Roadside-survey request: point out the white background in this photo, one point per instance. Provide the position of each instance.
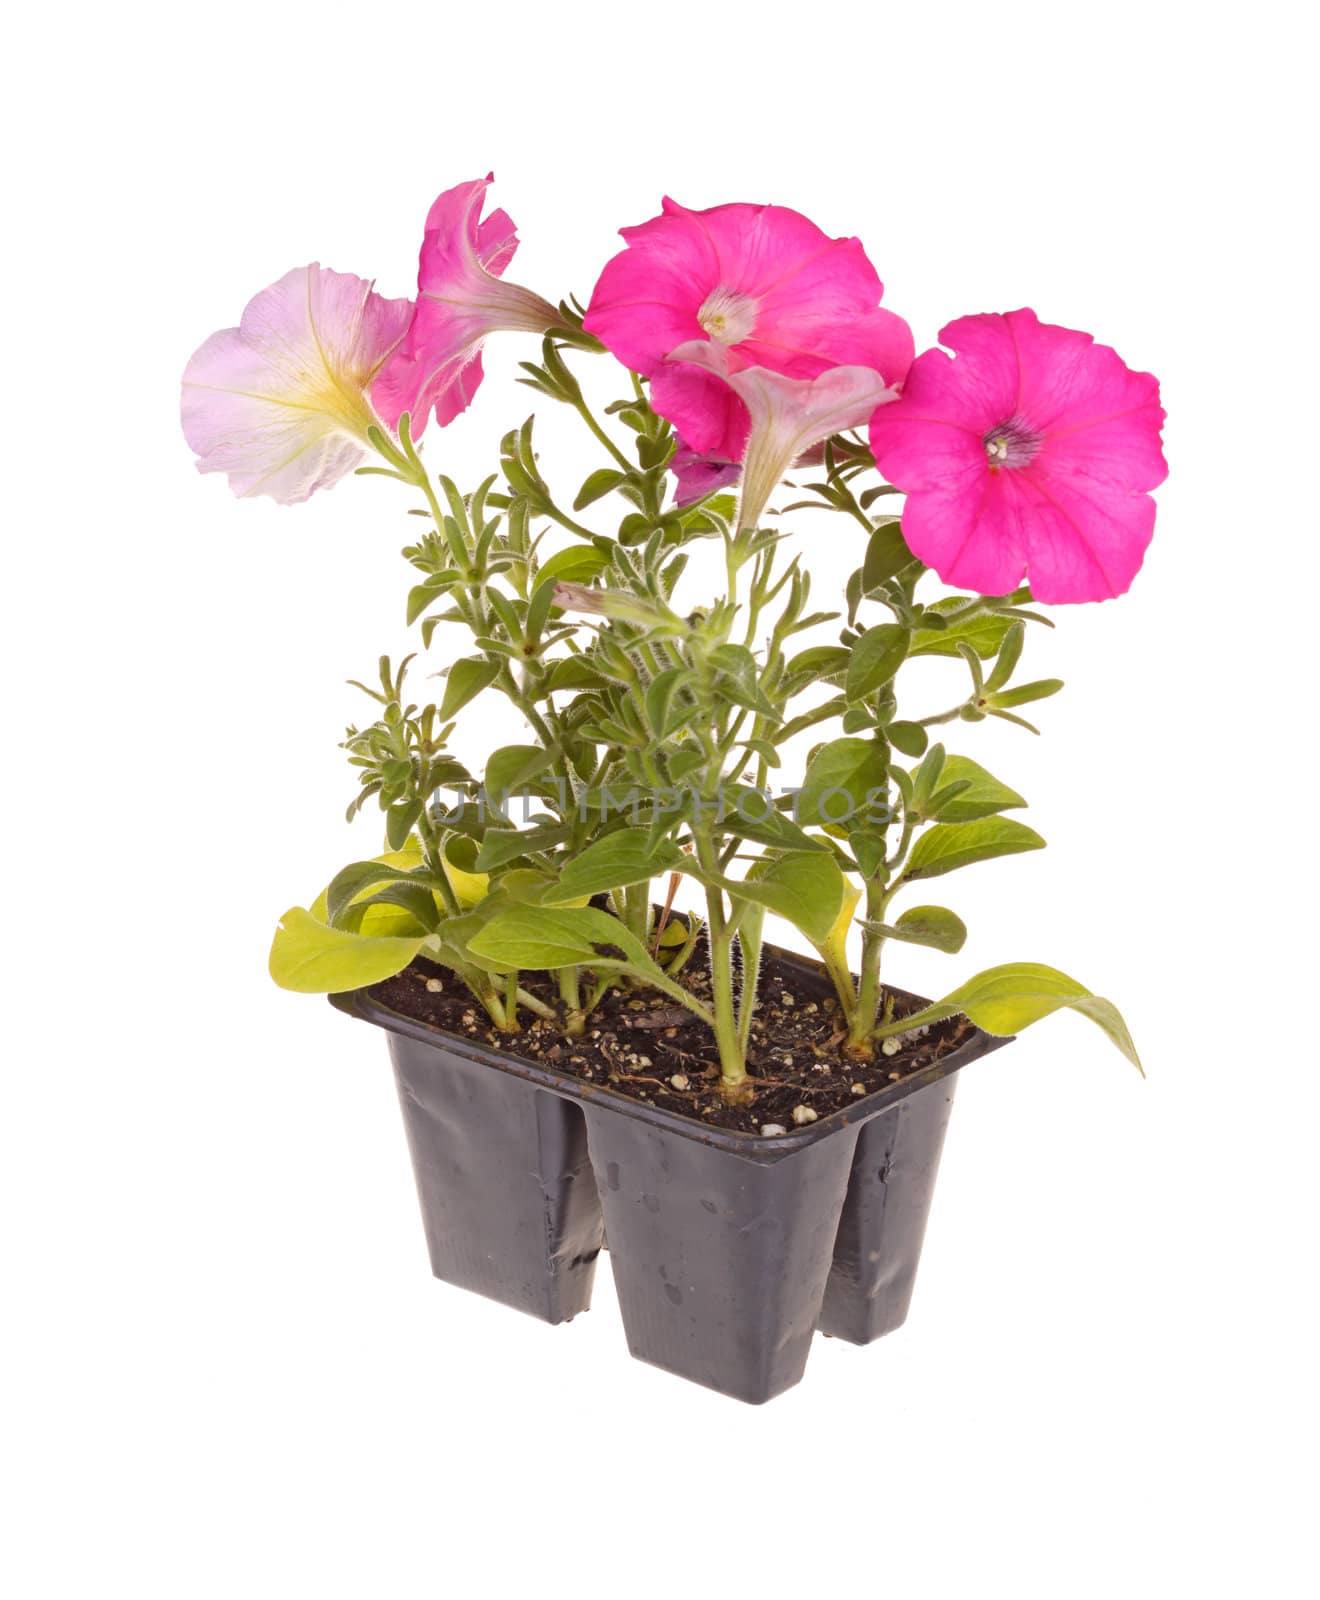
(228, 1372)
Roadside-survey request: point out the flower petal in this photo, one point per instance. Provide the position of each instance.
(805, 302)
(697, 475)
(279, 403)
(1067, 381)
(704, 410)
(1067, 499)
(970, 530)
(787, 415)
(1085, 540)
(806, 344)
(646, 299)
(986, 372)
(460, 301)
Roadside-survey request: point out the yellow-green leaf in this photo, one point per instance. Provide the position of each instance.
(311, 958)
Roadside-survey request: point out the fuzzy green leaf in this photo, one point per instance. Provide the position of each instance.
(513, 765)
(597, 485)
(876, 657)
(948, 846)
(502, 845)
(933, 926)
(805, 889)
(909, 737)
(886, 556)
(984, 633)
(839, 778)
(579, 563)
(538, 938)
(1004, 1000)
(983, 796)
(311, 958)
(613, 862)
(464, 681)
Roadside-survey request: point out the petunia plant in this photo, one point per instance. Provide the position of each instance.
(664, 722)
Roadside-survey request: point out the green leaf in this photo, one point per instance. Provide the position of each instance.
(1009, 654)
(579, 563)
(876, 657)
(415, 900)
(538, 938)
(886, 556)
(347, 886)
(659, 696)
(1025, 693)
(840, 777)
(501, 845)
(820, 661)
(613, 862)
(933, 926)
(512, 766)
(909, 737)
(805, 889)
(597, 485)
(1004, 1000)
(464, 681)
(927, 776)
(739, 678)
(399, 822)
(868, 848)
(311, 958)
(573, 673)
(984, 633)
(983, 796)
(422, 596)
(533, 937)
(750, 814)
(948, 846)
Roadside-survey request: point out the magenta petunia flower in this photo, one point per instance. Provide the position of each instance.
(460, 301)
(763, 284)
(1030, 450)
(279, 403)
(783, 417)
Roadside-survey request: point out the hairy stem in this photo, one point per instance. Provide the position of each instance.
(868, 989)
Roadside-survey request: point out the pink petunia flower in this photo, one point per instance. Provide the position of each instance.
(696, 474)
(761, 283)
(460, 301)
(279, 403)
(782, 417)
(1030, 451)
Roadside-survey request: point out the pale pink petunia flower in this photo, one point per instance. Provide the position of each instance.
(279, 403)
(783, 417)
(761, 283)
(460, 301)
(1031, 450)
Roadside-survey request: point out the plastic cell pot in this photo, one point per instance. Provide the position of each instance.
(729, 1249)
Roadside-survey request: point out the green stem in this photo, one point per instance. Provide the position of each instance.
(637, 910)
(584, 411)
(494, 1006)
(570, 995)
(868, 989)
(750, 945)
(665, 985)
(733, 1063)
(836, 965)
(537, 1007)
(435, 863)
